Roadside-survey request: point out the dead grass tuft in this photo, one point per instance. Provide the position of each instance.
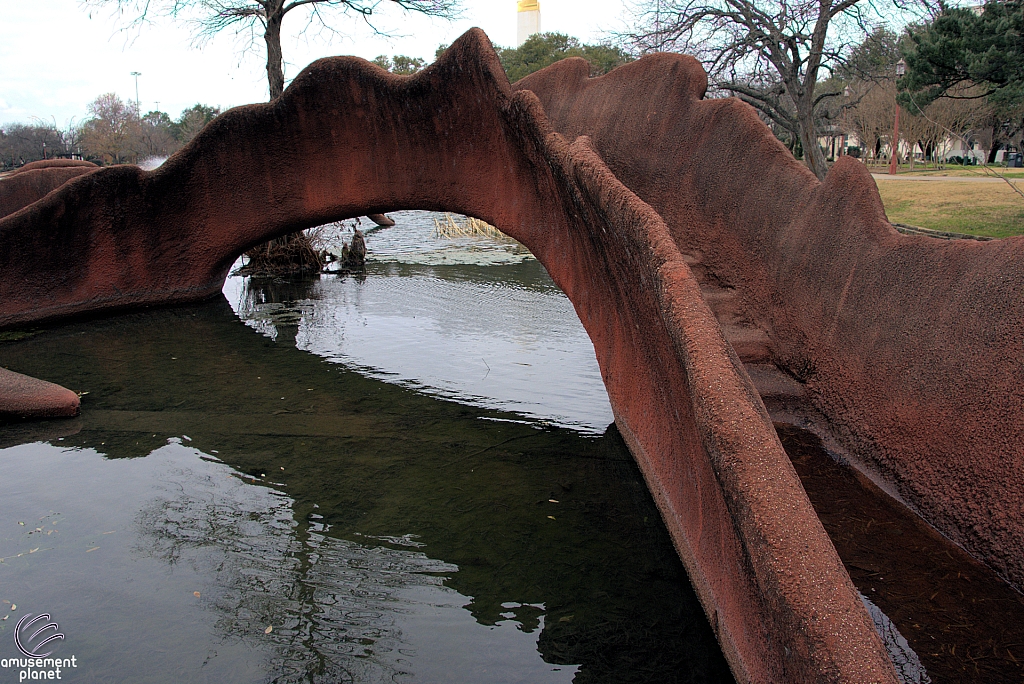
(448, 227)
(296, 254)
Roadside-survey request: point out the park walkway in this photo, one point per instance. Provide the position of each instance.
(965, 179)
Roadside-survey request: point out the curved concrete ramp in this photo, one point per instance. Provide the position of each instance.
(56, 164)
(22, 397)
(347, 139)
(36, 180)
(910, 347)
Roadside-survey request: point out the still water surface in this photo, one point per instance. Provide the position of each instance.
(279, 487)
(474, 320)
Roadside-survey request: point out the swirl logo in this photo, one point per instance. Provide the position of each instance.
(32, 644)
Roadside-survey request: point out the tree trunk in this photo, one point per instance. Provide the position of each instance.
(275, 78)
(813, 156)
(993, 152)
(275, 66)
(280, 254)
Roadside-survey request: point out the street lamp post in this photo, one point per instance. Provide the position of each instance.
(901, 68)
(138, 108)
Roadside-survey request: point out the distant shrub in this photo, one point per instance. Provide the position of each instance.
(543, 49)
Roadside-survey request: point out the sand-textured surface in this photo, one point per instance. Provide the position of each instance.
(25, 397)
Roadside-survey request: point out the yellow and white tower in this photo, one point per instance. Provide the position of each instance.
(529, 19)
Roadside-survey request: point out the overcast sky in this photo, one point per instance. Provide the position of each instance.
(56, 56)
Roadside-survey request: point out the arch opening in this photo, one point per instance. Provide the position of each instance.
(456, 310)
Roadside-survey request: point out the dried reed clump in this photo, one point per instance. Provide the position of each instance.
(448, 227)
(295, 254)
(305, 252)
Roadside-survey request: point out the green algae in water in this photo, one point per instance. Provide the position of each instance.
(15, 335)
(381, 533)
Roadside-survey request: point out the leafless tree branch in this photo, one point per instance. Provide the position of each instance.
(773, 54)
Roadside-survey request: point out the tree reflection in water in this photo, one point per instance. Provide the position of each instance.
(332, 604)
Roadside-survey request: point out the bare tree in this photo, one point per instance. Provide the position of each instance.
(23, 143)
(69, 137)
(872, 117)
(954, 118)
(773, 54)
(112, 134)
(210, 17)
(932, 128)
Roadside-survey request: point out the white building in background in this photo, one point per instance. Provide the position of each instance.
(529, 20)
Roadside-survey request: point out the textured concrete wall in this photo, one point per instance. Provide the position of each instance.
(911, 347)
(28, 185)
(347, 139)
(55, 164)
(24, 397)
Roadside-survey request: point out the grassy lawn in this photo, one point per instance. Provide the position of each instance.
(976, 208)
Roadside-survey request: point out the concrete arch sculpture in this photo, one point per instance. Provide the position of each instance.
(347, 139)
(910, 348)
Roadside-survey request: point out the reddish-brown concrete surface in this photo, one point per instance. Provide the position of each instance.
(381, 220)
(912, 348)
(25, 397)
(347, 139)
(28, 185)
(56, 163)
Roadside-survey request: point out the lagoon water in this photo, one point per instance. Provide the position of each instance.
(471, 319)
(407, 475)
